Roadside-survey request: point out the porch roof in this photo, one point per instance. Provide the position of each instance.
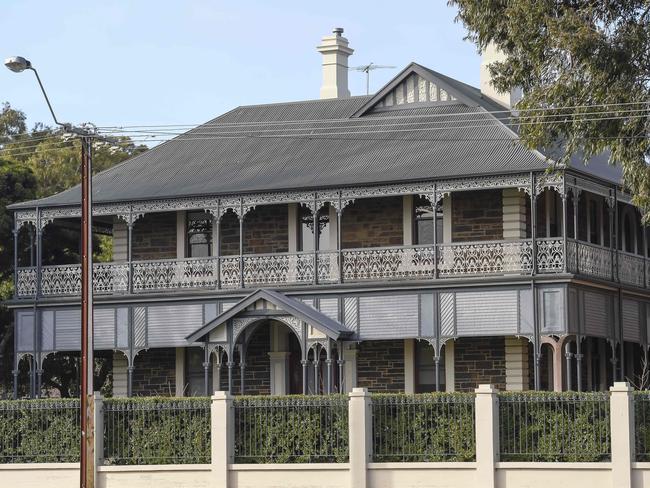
(328, 326)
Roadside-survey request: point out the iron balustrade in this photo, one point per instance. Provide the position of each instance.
(157, 431)
(39, 431)
(424, 427)
(642, 426)
(291, 429)
(456, 260)
(548, 427)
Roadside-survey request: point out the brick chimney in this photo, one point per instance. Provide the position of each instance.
(490, 55)
(335, 53)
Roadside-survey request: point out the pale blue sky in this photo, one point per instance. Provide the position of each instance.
(181, 62)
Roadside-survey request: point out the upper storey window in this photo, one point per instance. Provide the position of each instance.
(199, 234)
(306, 229)
(423, 222)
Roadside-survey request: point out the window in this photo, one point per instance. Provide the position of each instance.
(199, 235)
(306, 229)
(425, 368)
(423, 222)
(194, 372)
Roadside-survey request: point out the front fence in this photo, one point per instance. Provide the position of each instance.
(39, 431)
(293, 429)
(554, 427)
(425, 427)
(157, 431)
(532, 427)
(642, 425)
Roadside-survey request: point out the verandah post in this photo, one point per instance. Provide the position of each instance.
(360, 436)
(621, 417)
(486, 412)
(222, 441)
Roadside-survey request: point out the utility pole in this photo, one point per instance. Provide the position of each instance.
(87, 135)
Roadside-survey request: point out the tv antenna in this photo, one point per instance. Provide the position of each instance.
(367, 68)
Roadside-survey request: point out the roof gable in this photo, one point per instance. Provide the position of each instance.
(329, 327)
(414, 86)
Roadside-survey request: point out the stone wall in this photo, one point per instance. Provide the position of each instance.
(477, 216)
(266, 230)
(373, 222)
(479, 360)
(155, 373)
(380, 366)
(154, 237)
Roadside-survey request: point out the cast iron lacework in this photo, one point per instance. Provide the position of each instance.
(485, 258)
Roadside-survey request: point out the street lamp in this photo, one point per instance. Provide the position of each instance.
(19, 64)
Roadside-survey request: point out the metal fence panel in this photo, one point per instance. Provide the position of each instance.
(423, 427)
(642, 425)
(39, 431)
(291, 429)
(566, 427)
(157, 431)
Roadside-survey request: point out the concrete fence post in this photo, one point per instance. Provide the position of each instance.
(486, 412)
(98, 445)
(222, 440)
(621, 416)
(360, 436)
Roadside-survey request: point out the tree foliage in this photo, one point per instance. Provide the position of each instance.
(584, 67)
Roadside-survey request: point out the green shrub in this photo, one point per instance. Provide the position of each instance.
(291, 429)
(157, 431)
(545, 426)
(39, 431)
(423, 428)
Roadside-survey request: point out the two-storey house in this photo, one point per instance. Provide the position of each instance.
(401, 241)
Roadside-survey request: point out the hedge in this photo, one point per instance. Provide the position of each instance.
(564, 427)
(157, 431)
(39, 431)
(423, 428)
(291, 429)
(642, 421)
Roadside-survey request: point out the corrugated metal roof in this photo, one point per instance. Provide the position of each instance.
(327, 147)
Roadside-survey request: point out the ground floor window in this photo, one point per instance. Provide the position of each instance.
(194, 372)
(425, 368)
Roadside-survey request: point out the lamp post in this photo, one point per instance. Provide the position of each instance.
(87, 469)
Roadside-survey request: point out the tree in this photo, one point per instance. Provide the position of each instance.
(17, 183)
(584, 67)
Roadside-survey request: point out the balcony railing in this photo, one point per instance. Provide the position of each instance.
(458, 260)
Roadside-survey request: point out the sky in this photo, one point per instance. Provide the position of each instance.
(127, 62)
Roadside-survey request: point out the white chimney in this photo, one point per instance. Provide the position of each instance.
(335, 53)
(490, 55)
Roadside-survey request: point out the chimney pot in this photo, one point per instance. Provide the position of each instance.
(338, 31)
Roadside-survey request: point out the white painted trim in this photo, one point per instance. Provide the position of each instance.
(292, 209)
(446, 219)
(180, 234)
(450, 364)
(409, 366)
(180, 371)
(407, 219)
